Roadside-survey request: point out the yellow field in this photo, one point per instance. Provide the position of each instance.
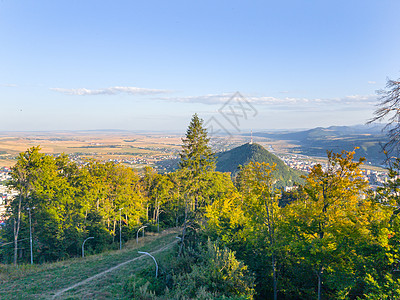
(99, 145)
(145, 148)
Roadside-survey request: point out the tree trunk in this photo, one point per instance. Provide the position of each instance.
(158, 217)
(17, 224)
(183, 231)
(15, 242)
(274, 277)
(319, 275)
(271, 231)
(154, 211)
(114, 224)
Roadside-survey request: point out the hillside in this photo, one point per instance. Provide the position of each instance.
(100, 276)
(229, 161)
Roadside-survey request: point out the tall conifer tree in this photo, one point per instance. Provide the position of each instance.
(196, 154)
(197, 162)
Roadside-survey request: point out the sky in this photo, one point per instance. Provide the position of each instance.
(150, 65)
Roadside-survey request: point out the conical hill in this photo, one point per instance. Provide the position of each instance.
(229, 161)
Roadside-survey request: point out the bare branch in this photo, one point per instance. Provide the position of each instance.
(389, 108)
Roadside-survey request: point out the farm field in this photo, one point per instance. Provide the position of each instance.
(105, 145)
(137, 149)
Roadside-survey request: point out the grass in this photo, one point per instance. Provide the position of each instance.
(43, 281)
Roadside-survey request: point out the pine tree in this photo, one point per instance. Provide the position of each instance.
(196, 154)
(197, 163)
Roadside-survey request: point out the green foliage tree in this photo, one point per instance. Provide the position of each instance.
(383, 279)
(388, 289)
(226, 220)
(330, 229)
(71, 202)
(196, 154)
(215, 273)
(218, 273)
(261, 207)
(160, 193)
(25, 174)
(196, 165)
(246, 220)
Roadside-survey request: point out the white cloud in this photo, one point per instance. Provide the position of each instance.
(205, 99)
(109, 91)
(360, 99)
(213, 99)
(371, 82)
(220, 99)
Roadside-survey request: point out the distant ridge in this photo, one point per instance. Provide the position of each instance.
(315, 142)
(229, 161)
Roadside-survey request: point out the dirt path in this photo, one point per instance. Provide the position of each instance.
(83, 282)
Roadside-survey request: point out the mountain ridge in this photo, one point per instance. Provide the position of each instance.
(315, 142)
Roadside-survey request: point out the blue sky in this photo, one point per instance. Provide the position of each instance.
(149, 65)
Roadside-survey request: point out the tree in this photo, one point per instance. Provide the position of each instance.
(384, 282)
(328, 229)
(24, 175)
(389, 107)
(197, 162)
(158, 188)
(71, 202)
(217, 275)
(196, 154)
(261, 207)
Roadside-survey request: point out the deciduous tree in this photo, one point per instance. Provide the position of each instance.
(24, 175)
(324, 228)
(260, 204)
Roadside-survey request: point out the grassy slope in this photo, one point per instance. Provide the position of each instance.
(42, 281)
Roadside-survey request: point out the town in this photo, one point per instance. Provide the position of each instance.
(305, 164)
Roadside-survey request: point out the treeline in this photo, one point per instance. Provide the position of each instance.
(330, 238)
(69, 203)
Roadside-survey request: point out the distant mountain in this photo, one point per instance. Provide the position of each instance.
(321, 132)
(229, 161)
(315, 142)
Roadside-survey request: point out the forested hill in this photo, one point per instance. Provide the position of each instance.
(229, 161)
